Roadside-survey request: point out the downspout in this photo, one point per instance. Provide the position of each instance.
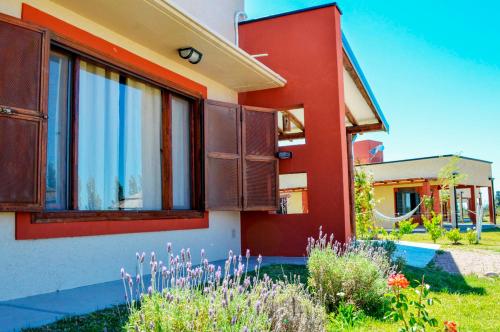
(237, 16)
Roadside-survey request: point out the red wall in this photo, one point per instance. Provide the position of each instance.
(362, 152)
(306, 49)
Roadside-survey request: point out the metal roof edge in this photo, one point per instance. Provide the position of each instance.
(424, 158)
(362, 77)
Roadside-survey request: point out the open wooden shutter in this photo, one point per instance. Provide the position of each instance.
(260, 164)
(23, 76)
(222, 156)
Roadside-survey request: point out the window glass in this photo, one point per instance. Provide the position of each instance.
(56, 196)
(293, 193)
(407, 199)
(181, 175)
(291, 126)
(119, 141)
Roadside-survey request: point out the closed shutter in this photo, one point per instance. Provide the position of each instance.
(23, 65)
(260, 164)
(222, 156)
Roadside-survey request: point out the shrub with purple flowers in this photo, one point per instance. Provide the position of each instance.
(184, 297)
(357, 270)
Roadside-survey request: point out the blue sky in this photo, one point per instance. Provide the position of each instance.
(434, 67)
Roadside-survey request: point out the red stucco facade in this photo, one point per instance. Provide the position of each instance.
(306, 49)
(362, 154)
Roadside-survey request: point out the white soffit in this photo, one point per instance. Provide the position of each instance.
(356, 103)
(162, 27)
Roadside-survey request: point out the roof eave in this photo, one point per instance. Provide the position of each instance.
(357, 68)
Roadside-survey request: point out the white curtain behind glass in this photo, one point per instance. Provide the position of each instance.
(119, 164)
(142, 151)
(181, 184)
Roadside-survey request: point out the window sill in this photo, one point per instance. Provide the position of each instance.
(47, 225)
(81, 216)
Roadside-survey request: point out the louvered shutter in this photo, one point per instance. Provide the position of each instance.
(260, 164)
(222, 156)
(23, 76)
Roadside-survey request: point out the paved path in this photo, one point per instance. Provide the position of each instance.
(480, 262)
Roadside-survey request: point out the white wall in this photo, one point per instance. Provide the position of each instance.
(31, 267)
(216, 90)
(218, 15)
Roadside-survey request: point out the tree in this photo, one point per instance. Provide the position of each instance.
(449, 177)
(364, 203)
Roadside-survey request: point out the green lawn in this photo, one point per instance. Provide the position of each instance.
(490, 240)
(471, 301)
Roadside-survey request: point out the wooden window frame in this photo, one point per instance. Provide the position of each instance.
(79, 52)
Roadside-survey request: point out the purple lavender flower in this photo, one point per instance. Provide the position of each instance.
(122, 272)
(142, 257)
(202, 253)
(259, 259)
(248, 254)
(150, 290)
(257, 306)
(169, 247)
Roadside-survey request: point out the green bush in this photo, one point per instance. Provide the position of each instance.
(404, 227)
(359, 272)
(433, 226)
(454, 235)
(346, 317)
(471, 236)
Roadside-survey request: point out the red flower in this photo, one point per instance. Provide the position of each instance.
(450, 326)
(398, 280)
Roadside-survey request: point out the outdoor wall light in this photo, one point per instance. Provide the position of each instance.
(191, 54)
(284, 155)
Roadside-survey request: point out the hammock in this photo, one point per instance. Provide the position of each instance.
(382, 217)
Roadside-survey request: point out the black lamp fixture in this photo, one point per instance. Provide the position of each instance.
(191, 54)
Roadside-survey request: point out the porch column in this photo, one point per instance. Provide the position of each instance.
(473, 204)
(453, 207)
(491, 205)
(350, 169)
(437, 201)
(492, 179)
(426, 190)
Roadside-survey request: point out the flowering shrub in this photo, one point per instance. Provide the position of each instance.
(454, 235)
(471, 236)
(450, 326)
(433, 226)
(412, 313)
(388, 246)
(359, 271)
(182, 297)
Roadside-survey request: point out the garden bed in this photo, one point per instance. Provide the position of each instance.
(471, 301)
